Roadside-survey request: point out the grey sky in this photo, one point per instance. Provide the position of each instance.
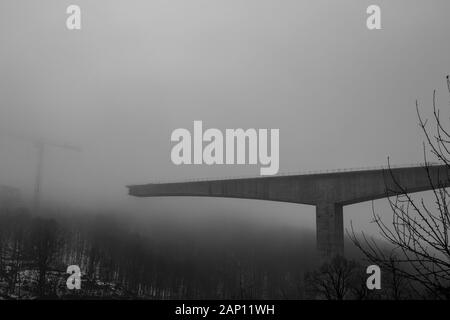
(341, 95)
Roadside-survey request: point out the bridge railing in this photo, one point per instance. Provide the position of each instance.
(299, 173)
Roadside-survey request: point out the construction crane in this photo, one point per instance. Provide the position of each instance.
(40, 145)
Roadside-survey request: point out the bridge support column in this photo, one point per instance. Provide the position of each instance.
(329, 229)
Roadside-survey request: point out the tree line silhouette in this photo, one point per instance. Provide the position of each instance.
(117, 262)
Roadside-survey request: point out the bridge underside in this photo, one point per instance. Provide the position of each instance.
(328, 192)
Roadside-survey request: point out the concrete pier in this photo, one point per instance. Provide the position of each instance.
(329, 229)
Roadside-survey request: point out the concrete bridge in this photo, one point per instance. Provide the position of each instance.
(328, 191)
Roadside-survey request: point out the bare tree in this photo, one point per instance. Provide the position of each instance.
(333, 280)
(418, 235)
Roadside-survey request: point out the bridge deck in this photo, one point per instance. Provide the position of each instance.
(343, 187)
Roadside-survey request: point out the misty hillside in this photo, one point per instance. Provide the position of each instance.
(224, 258)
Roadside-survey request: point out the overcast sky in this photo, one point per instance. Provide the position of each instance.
(341, 95)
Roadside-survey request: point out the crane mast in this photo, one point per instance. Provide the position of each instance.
(40, 145)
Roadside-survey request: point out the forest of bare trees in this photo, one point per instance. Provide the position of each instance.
(117, 262)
